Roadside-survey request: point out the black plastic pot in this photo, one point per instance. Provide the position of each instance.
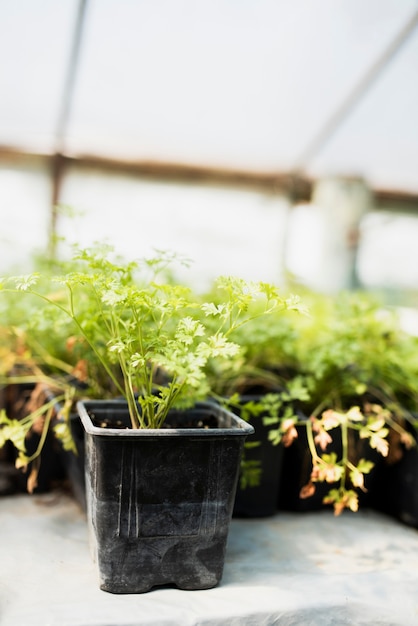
(260, 500)
(159, 502)
(398, 492)
(73, 464)
(402, 489)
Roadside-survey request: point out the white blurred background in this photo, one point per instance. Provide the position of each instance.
(264, 138)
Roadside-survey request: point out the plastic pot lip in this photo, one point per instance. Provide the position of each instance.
(240, 428)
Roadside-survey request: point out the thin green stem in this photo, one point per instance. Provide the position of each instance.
(29, 419)
(311, 442)
(161, 415)
(48, 416)
(344, 453)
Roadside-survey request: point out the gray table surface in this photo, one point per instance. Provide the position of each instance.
(308, 569)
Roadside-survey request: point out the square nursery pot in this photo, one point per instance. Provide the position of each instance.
(159, 502)
(397, 495)
(73, 463)
(260, 500)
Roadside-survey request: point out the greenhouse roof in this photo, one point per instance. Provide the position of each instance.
(260, 88)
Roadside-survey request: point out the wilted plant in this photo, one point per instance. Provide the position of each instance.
(39, 412)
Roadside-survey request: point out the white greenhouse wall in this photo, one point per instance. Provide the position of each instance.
(24, 215)
(222, 231)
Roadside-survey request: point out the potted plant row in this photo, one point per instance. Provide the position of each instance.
(330, 395)
(263, 386)
(333, 404)
(360, 370)
(162, 457)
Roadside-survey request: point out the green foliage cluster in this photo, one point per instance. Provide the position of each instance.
(360, 372)
(117, 328)
(346, 371)
(103, 327)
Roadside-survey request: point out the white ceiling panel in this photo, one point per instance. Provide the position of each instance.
(242, 84)
(35, 43)
(379, 139)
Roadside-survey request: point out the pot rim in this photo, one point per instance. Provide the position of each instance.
(239, 426)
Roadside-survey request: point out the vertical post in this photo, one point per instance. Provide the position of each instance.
(58, 161)
(341, 204)
(57, 172)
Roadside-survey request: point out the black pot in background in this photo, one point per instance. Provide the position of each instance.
(259, 500)
(397, 495)
(73, 464)
(159, 502)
